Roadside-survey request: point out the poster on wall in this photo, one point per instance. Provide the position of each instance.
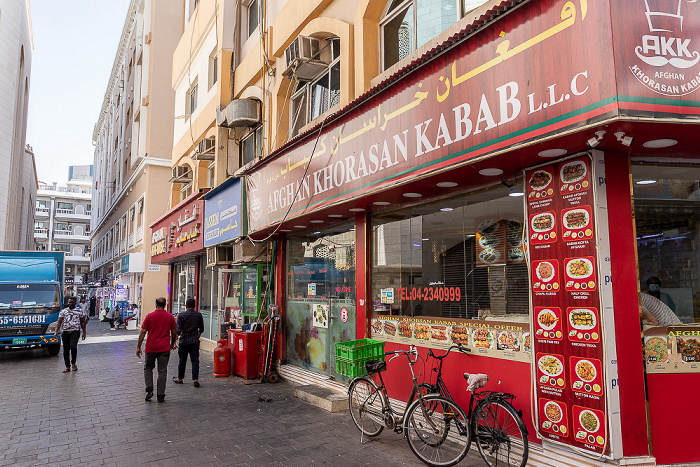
(499, 339)
(567, 331)
(672, 349)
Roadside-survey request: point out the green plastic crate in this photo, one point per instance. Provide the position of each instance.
(354, 368)
(359, 349)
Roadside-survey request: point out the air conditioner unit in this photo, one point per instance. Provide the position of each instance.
(302, 58)
(206, 145)
(218, 255)
(239, 113)
(181, 174)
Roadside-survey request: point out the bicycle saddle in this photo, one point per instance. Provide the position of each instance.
(476, 380)
(375, 367)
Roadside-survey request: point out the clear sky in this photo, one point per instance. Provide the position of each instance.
(74, 46)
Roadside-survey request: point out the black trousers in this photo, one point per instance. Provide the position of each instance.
(70, 346)
(193, 351)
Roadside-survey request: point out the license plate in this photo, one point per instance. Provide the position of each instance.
(22, 340)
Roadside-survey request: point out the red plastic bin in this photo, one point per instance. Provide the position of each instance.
(246, 350)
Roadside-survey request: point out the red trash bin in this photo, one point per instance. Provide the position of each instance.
(232, 346)
(247, 353)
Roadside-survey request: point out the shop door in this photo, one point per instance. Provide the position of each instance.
(320, 307)
(230, 305)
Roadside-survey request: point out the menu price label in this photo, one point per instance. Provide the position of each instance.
(570, 383)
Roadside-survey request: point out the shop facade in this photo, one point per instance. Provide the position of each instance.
(177, 242)
(491, 193)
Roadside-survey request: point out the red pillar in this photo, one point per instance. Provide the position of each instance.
(281, 288)
(362, 270)
(623, 257)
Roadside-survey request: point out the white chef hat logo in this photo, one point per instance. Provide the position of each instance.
(657, 50)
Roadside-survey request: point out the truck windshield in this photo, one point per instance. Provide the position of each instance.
(28, 298)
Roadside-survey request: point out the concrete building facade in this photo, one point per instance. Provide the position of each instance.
(16, 197)
(133, 143)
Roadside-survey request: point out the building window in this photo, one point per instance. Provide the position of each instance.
(191, 99)
(185, 191)
(61, 247)
(252, 146)
(62, 205)
(41, 203)
(253, 16)
(213, 68)
(311, 99)
(62, 227)
(409, 24)
(211, 173)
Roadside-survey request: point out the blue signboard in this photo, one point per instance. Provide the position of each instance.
(222, 212)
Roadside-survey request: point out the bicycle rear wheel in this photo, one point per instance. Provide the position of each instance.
(500, 434)
(366, 406)
(437, 431)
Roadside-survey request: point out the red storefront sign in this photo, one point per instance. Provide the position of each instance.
(179, 232)
(567, 344)
(528, 75)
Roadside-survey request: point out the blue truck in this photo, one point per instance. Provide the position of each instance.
(31, 294)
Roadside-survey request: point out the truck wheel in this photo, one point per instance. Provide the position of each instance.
(54, 349)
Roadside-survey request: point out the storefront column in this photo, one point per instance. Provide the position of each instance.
(281, 288)
(197, 272)
(362, 268)
(630, 361)
(171, 277)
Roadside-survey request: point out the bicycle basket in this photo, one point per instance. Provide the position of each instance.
(375, 367)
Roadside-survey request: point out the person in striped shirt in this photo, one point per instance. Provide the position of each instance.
(656, 312)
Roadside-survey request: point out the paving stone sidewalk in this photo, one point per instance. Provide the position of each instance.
(97, 416)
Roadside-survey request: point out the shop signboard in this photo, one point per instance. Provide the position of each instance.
(481, 96)
(222, 213)
(499, 339)
(179, 231)
(658, 64)
(672, 349)
(133, 262)
(567, 333)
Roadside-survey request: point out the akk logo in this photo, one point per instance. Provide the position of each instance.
(667, 50)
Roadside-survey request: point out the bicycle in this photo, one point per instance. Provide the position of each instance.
(439, 436)
(499, 431)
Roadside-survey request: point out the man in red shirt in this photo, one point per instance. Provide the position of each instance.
(162, 335)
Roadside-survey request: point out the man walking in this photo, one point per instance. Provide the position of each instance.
(160, 327)
(72, 320)
(190, 325)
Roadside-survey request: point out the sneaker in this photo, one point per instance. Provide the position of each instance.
(149, 395)
(161, 398)
(196, 384)
(112, 329)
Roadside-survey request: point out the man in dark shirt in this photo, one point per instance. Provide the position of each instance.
(190, 325)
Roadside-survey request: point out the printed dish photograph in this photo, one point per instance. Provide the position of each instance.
(573, 172)
(550, 365)
(579, 268)
(540, 180)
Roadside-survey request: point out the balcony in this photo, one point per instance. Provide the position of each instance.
(42, 213)
(70, 236)
(77, 259)
(71, 214)
(41, 234)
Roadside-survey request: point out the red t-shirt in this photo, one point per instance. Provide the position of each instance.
(158, 323)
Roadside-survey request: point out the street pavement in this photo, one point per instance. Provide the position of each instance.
(97, 416)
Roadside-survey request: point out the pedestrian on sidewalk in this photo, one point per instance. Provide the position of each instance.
(160, 327)
(72, 320)
(84, 309)
(190, 325)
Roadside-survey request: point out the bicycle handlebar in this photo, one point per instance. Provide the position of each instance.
(412, 351)
(458, 347)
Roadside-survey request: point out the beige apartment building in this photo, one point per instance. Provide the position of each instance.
(133, 143)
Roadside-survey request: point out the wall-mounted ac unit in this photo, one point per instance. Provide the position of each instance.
(205, 150)
(302, 58)
(239, 113)
(181, 174)
(218, 255)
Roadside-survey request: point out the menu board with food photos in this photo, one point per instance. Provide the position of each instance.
(566, 336)
(499, 339)
(672, 349)
(499, 241)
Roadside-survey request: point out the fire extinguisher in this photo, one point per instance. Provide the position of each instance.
(222, 359)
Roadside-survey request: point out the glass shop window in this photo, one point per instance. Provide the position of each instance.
(458, 258)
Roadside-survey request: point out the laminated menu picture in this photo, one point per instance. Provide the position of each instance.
(589, 426)
(490, 241)
(583, 324)
(543, 228)
(540, 185)
(546, 275)
(586, 375)
(548, 323)
(553, 417)
(580, 273)
(550, 370)
(576, 224)
(574, 176)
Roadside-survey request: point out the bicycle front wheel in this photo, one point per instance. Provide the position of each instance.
(500, 434)
(366, 406)
(437, 431)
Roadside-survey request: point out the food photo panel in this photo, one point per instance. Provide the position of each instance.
(580, 274)
(548, 323)
(574, 176)
(589, 426)
(550, 370)
(545, 276)
(543, 228)
(576, 224)
(583, 324)
(553, 417)
(540, 184)
(586, 375)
